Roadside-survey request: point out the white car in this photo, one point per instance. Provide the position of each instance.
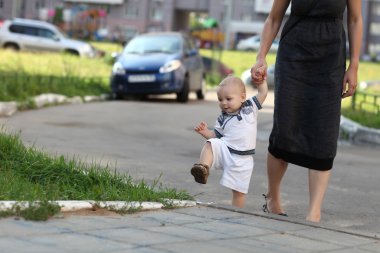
(253, 44)
(33, 35)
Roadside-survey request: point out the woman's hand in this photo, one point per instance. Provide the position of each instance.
(259, 72)
(350, 81)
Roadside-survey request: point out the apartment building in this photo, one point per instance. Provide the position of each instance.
(125, 18)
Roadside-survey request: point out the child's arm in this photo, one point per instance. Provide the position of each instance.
(262, 91)
(202, 129)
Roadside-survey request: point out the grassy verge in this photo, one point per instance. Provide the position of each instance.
(26, 74)
(368, 113)
(27, 174)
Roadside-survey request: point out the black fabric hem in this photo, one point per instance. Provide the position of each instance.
(302, 160)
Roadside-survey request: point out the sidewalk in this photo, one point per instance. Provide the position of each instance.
(194, 229)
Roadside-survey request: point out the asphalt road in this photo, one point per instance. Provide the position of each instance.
(155, 139)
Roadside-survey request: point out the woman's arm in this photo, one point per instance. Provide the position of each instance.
(355, 32)
(271, 27)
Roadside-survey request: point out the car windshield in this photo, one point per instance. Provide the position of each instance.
(153, 44)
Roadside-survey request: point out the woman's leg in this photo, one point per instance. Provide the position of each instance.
(206, 156)
(238, 199)
(276, 169)
(318, 182)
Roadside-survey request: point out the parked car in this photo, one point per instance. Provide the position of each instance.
(219, 67)
(26, 34)
(246, 76)
(253, 44)
(159, 63)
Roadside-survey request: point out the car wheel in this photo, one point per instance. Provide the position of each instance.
(116, 96)
(72, 52)
(183, 95)
(11, 46)
(201, 93)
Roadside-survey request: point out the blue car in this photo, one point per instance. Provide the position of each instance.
(159, 63)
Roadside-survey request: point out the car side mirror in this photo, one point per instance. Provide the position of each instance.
(56, 38)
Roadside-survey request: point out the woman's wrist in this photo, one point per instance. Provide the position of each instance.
(354, 64)
(260, 57)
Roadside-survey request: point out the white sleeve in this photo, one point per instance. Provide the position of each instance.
(218, 130)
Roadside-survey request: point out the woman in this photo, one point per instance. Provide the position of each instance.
(311, 79)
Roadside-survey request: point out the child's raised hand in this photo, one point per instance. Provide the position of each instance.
(259, 72)
(200, 127)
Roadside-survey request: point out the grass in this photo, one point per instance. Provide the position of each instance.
(27, 174)
(26, 74)
(367, 107)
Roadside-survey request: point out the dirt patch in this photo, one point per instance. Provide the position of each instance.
(91, 212)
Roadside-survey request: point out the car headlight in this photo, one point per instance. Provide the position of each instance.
(118, 69)
(87, 48)
(170, 66)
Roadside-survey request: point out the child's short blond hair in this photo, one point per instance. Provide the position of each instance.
(236, 81)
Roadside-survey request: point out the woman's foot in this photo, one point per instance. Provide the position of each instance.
(314, 217)
(270, 207)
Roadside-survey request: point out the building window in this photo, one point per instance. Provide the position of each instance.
(249, 3)
(156, 10)
(375, 29)
(40, 4)
(375, 9)
(246, 17)
(1, 4)
(131, 9)
(154, 28)
(127, 33)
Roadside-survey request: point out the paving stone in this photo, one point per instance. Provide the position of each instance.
(269, 223)
(252, 245)
(324, 235)
(139, 237)
(68, 242)
(15, 228)
(231, 229)
(284, 239)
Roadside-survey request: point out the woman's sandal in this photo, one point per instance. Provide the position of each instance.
(266, 209)
(200, 173)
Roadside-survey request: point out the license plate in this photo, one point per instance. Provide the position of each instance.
(141, 78)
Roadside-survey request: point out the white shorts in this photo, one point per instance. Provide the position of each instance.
(237, 169)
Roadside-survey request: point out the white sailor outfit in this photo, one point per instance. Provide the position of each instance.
(235, 144)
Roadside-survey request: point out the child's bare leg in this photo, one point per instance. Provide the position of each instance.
(201, 170)
(238, 199)
(206, 156)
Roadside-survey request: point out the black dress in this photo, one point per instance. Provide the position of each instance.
(310, 66)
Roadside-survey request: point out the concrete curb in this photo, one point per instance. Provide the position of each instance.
(76, 205)
(9, 108)
(358, 134)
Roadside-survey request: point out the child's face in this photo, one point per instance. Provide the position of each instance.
(230, 98)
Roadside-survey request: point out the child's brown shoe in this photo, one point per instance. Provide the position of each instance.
(200, 173)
